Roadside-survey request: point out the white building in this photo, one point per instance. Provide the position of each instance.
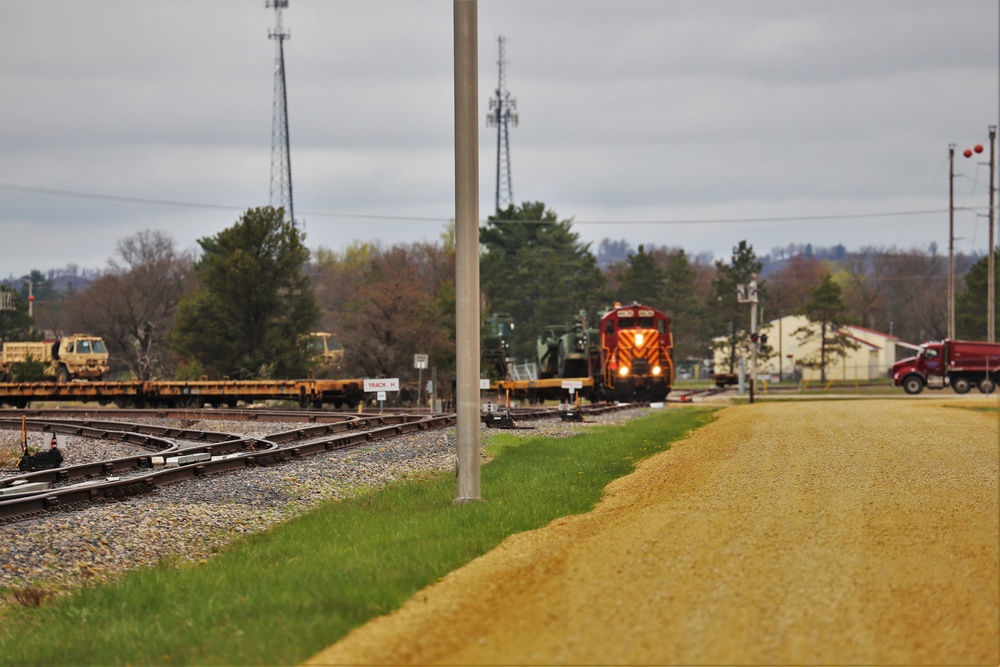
(874, 357)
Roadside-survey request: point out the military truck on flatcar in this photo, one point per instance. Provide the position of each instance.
(327, 348)
(75, 357)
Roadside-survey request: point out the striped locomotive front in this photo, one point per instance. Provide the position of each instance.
(636, 353)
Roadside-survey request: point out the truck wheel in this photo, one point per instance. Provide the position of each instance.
(62, 375)
(986, 386)
(961, 385)
(913, 385)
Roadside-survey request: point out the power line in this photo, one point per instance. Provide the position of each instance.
(375, 216)
(116, 198)
(797, 218)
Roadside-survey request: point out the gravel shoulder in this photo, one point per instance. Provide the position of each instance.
(828, 532)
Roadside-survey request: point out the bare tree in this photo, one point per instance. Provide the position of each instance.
(387, 304)
(915, 296)
(789, 288)
(133, 305)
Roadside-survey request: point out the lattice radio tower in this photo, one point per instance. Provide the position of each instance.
(281, 161)
(502, 114)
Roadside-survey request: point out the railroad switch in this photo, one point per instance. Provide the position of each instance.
(499, 421)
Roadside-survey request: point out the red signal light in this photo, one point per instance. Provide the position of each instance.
(978, 148)
(967, 153)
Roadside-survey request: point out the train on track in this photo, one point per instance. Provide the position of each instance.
(626, 356)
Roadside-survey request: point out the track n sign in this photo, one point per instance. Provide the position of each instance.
(382, 384)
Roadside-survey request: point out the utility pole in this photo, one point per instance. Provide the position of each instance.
(753, 334)
(281, 161)
(467, 249)
(951, 241)
(991, 300)
(502, 116)
(748, 294)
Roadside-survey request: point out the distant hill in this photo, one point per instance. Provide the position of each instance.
(68, 284)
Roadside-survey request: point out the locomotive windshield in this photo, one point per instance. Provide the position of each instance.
(635, 322)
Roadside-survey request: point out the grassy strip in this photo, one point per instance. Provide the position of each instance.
(279, 597)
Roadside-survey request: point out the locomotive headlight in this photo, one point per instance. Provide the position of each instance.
(656, 370)
(623, 371)
(638, 339)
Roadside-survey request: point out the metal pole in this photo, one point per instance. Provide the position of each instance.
(434, 389)
(753, 330)
(467, 248)
(288, 145)
(420, 387)
(991, 302)
(951, 241)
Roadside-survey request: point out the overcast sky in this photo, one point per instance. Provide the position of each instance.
(693, 124)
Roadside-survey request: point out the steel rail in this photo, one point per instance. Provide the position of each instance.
(351, 435)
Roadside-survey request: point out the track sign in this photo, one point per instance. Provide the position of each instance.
(420, 361)
(382, 384)
(572, 384)
(484, 384)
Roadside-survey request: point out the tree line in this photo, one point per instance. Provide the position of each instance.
(244, 305)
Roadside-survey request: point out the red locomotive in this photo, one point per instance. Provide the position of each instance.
(636, 355)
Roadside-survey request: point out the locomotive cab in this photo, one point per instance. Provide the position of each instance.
(636, 353)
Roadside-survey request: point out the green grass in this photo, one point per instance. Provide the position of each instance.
(279, 597)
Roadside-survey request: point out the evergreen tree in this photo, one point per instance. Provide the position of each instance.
(728, 317)
(825, 310)
(15, 324)
(970, 303)
(682, 302)
(642, 280)
(535, 268)
(255, 306)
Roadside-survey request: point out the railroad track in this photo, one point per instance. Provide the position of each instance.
(200, 453)
(206, 453)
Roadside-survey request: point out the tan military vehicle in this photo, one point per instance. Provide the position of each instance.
(75, 357)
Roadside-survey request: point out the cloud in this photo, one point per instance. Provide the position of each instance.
(631, 110)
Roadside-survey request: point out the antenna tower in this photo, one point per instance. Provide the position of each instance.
(281, 161)
(502, 114)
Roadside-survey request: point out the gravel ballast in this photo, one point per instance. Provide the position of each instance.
(191, 521)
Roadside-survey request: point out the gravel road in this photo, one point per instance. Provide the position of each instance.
(831, 532)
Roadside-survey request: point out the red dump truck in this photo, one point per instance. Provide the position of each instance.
(962, 364)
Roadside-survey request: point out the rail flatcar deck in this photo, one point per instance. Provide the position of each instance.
(167, 394)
